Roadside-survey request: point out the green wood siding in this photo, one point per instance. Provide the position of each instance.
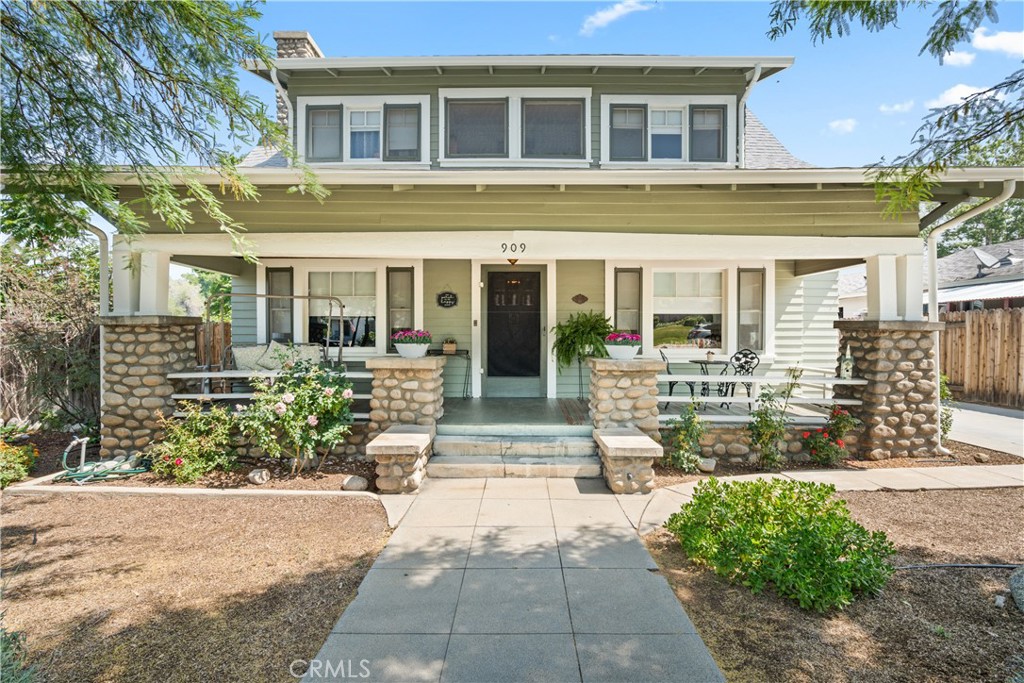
(243, 309)
(572, 278)
(449, 275)
(662, 210)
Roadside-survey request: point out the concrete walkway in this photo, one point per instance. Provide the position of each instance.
(516, 580)
(1000, 429)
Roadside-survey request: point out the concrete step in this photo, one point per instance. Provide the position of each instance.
(517, 430)
(466, 466)
(521, 446)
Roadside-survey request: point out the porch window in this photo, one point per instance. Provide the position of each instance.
(667, 134)
(323, 141)
(401, 132)
(628, 133)
(553, 129)
(627, 299)
(279, 311)
(358, 293)
(688, 308)
(400, 301)
(364, 134)
(477, 128)
(707, 133)
(750, 321)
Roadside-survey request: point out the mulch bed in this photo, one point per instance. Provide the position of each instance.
(961, 454)
(136, 588)
(926, 625)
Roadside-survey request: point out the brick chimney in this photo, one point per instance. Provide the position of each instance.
(293, 45)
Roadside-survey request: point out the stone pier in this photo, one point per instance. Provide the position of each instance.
(406, 391)
(624, 393)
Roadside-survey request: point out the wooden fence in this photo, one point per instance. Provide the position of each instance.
(221, 334)
(982, 354)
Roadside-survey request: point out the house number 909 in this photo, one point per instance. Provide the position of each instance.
(513, 247)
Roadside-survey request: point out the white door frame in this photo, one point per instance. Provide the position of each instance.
(476, 360)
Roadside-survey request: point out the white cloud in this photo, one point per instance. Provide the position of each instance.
(953, 95)
(1008, 42)
(956, 58)
(603, 17)
(842, 126)
(898, 108)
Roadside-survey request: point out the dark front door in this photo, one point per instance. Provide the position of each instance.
(513, 324)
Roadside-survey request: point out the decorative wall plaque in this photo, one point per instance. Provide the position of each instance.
(447, 299)
(580, 299)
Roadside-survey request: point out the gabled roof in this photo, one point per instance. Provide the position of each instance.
(763, 151)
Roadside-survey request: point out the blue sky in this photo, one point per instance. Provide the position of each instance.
(827, 108)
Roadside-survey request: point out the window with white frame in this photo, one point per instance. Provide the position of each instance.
(323, 139)
(751, 302)
(628, 133)
(553, 129)
(667, 133)
(401, 132)
(628, 299)
(688, 309)
(364, 133)
(358, 293)
(671, 129)
(477, 128)
(364, 129)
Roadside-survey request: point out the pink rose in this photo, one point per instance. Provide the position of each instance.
(329, 391)
(178, 461)
(280, 408)
(312, 421)
(239, 407)
(288, 398)
(347, 393)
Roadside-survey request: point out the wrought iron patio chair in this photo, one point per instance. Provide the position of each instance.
(743, 363)
(672, 385)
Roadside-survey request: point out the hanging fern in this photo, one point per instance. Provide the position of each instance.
(580, 336)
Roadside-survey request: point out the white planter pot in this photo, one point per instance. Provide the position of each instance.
(412, 350)
(622, 352)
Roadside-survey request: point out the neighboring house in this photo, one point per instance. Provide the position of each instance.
(487, 198)
(990, 276)
(853, 293)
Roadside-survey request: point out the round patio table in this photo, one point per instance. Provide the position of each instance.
(705, 369)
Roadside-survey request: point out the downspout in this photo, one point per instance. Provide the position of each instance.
(741, 116)
(104, 248)
(283, 93)
(1009, 187)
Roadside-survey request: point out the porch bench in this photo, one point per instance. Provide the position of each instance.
(401, 454)
(627, 459)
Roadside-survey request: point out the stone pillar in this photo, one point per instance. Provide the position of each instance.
(293, 45)
(138, 354)
(624, 393)
(406, 391)
(900, 400)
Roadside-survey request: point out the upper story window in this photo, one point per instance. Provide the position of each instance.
(522, 126)
(364, 130)
(667, 130)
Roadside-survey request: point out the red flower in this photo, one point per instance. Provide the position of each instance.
(166, 458)
(839, 442)
(826, 435)
(806, 434)
(178, 461)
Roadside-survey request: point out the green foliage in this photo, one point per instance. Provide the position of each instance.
(767, 426)
(580, 336)
(946, 134)
(15, 462)
(684, 439)
(307, 407)
(196, 444)
(49, 336)
(14, 666)
(825, 445)
(947, 404)
(145, 86)
(210, 284)
(792, 535)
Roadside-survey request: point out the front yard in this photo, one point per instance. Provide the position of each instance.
(141, 588)
(927, 625)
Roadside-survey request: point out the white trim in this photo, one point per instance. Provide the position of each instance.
(515, 97)
(624, 61)
(683, 102)
(261, 304)
(368, 102)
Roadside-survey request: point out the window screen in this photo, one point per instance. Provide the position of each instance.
(364, 134)
(628, 135)
(707, 134)
(750, 326)
(324, 137)
(627, 300)
(553, 129)
(477, 128)
(279, 311)
(401, 133)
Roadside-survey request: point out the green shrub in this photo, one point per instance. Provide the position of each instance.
(13, 667)
(684, 440)
(196, 444)
(948, 404)
(825, 445)
(15, 462)
(793, 535)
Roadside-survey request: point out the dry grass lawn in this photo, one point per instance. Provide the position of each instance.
(935, 625)
(143, 588)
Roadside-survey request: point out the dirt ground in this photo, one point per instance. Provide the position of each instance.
(934, 625)
(137, 588)
(961, 454)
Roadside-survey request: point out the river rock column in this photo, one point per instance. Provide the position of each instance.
(405, 391)
(138, 354)
(899, 410)
(624, 393)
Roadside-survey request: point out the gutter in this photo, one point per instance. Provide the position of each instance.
(283, 93)
(1009, 187)
(741, 115)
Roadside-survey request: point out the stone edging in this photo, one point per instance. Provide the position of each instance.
(29, 487)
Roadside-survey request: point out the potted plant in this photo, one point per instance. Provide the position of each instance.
(622, 345)
(411, 343)
(449, 346)
(581, 335)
